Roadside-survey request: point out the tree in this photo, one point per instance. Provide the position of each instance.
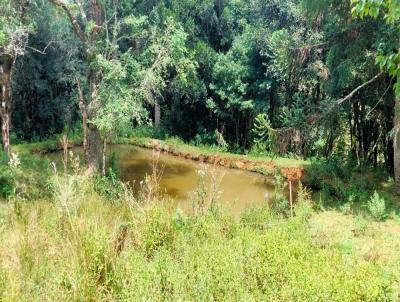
(240, 85)
(167, 53)
(389, 60)
(13, 39)
(107, 101)
(88, 28)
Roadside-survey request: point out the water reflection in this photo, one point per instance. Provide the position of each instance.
(238, 189)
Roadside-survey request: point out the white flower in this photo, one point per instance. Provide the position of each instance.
(14, 161)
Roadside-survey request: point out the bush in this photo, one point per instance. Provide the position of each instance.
(7, 181)
(158, 231)
(377, 207)
(258, 217)
(280, 203)
(109, 186)
(147, 131)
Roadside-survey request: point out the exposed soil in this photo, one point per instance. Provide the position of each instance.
(268, 168)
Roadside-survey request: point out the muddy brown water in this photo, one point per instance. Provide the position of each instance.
(237, 189)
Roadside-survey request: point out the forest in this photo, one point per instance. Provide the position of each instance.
(129, 125)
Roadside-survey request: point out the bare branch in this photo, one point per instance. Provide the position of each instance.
(351, 94)
(381, 98)
(43, 52)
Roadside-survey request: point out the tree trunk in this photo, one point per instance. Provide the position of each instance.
(94, 140)
(396, 143)
(94, 19)
(104, 157)
(5, 100)
(83, 109)
(157, 115)
(5, 131)
(95, 150)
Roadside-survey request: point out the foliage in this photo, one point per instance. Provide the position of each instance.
(267, 76)
(218, 67)
(377, 206)
(280, 203)
(7, 181)
(102, 247)
(264, 135)
(390, 10)
(120, 104)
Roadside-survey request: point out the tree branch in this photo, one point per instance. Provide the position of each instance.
(351, 94)
(77, 28)
(43, 52)
(83, 14)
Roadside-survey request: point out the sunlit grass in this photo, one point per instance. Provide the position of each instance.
(81, 246)
(161, 256)
(60, 240)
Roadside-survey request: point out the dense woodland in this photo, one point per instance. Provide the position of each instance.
(307, 77)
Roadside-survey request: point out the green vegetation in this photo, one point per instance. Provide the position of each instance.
(305, 92)
(73, 243)
(180, 146)
(289, 77)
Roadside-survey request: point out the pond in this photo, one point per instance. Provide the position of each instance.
(237, 189)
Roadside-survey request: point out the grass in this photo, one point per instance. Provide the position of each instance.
(180, 146)
(49, 145)
(61, 238)
(103, 251)
(71, 243)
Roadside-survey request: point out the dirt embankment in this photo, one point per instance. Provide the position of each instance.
(241, 163)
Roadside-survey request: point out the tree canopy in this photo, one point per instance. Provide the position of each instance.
(210, 68)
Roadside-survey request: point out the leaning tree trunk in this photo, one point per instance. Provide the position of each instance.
(396, 142)
(5, 100)
(87, 31)
(95, 146)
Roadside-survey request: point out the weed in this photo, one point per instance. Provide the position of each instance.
(377, 207)
(150, 186)
(280, 203)
(207, 191)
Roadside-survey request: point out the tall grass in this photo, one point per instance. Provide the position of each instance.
(81, 245)
(83, 248)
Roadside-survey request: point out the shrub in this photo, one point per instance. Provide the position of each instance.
(158, 231)
(109, 186)
(377, 207)
(257, 217)
(280, 203)
(7, 181)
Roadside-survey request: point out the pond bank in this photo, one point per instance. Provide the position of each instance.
(291, 169)
(314, 174)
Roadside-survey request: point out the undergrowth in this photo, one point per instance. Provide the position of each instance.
(88, 239)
